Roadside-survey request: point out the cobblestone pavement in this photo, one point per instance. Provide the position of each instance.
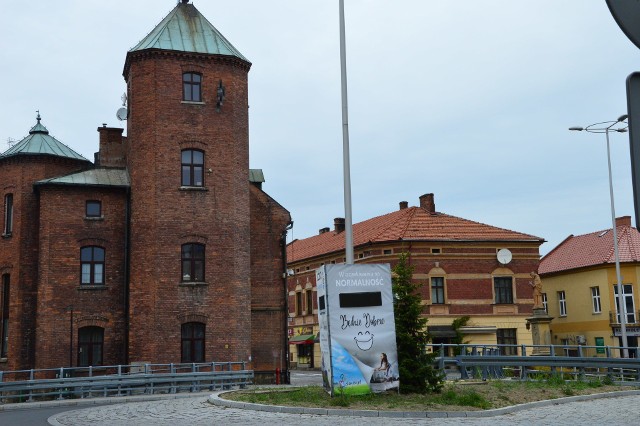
(197, 411)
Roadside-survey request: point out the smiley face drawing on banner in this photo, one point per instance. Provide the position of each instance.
(364, 341)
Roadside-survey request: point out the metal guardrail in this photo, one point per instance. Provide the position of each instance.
(490, 361)
(121, 380)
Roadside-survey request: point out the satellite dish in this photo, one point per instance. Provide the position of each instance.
(504, 256)
(122, 114)
(627, 15)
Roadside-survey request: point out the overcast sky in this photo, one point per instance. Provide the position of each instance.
(470, 100)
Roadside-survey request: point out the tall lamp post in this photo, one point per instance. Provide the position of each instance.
(345, 143)
(605, 127)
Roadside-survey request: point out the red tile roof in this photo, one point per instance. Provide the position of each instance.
(592, 249)
(409, 224)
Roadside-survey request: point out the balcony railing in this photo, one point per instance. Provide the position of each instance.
(632, 318)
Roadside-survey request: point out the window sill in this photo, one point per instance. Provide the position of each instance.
(7, 235)
(192, 284)
(4, 360)
(193, 102)
(94, 218)
(193, 188)
(92, 287)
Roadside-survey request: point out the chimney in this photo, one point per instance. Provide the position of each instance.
(323, 230)
(112, 147)
(338, 224)
(623, 221)
(403, 205)
(428, 203)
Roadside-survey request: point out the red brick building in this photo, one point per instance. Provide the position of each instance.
(456, 260)
(166, 249)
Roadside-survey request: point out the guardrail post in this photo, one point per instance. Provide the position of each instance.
(172, 368)
(193, 383)
(523, 369)
(581, 373)
(30, 390)
(119, 373)
(61, 386)
(149, 386)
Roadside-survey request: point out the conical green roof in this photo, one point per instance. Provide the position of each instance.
(39, 142)
(185, 29)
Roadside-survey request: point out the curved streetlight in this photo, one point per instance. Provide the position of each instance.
(605, 127)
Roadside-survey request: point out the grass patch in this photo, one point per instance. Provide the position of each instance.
(456, 396)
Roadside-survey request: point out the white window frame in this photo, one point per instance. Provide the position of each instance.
(628, 297)
(545, 302)
(562, 303)
(595, 300)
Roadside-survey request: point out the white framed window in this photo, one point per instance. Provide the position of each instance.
(629, 305)
(562, 303)
(545, 302)
(595, 300)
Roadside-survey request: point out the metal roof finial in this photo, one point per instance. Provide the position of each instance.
(38, 116)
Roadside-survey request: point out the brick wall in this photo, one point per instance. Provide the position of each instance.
(164, 216)
(64, 229)
(19, 253)
(268, 309)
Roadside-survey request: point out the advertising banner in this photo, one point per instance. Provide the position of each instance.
(357, 328)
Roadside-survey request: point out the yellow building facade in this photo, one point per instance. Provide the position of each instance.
(580, 290)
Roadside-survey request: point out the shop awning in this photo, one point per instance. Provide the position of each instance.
(302, 339)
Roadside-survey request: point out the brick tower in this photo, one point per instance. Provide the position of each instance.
(188, 158)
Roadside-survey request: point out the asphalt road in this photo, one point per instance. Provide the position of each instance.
(38, 416)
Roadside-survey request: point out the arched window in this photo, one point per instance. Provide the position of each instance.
(90, 346)
(192, 262)
(8, 214)
(192, 167)
(192, 341)
(192, 87)
(92, 265)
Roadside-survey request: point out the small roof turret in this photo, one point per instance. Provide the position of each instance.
(39, 142)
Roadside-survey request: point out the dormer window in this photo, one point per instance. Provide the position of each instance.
(192, 87)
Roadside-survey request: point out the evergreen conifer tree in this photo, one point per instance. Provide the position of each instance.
(417, 374)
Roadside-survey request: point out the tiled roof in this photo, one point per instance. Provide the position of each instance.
(592, 249)
(39, 142)
(93, 177)
(409, 224)
(186, 30)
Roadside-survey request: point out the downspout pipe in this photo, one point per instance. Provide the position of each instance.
(127, 254)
